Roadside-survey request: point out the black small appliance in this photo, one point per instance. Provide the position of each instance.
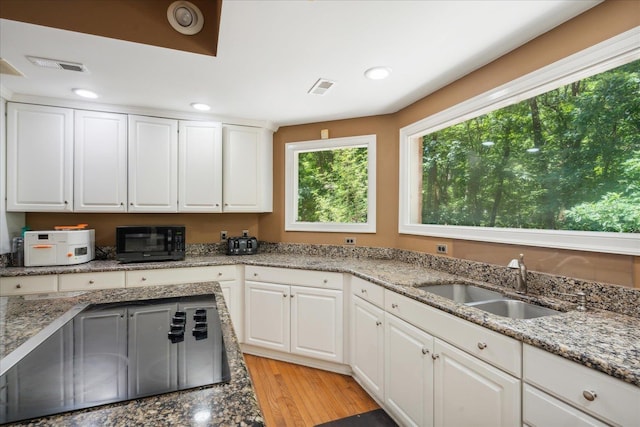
(242, 246)
(140, 243)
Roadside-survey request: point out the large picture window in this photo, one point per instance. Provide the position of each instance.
(561, 159)
(330, 185)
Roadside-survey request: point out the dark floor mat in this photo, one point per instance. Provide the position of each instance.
(376, 418)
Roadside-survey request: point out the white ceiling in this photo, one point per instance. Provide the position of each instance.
(270, 53)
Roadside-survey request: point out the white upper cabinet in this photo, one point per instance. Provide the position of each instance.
(39, 158)
(153, 164)
(100, 162)
(247, 169)
(200, 167)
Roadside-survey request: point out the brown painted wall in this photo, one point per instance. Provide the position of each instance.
(598, 24)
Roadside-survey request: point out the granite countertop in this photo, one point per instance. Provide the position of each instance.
(228, 404)
(603, 340)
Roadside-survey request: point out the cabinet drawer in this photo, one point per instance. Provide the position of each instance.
(367, 291)
(174, 276)
(490, 346)
(89, 281)
(291, 276)
(615, 401)
(542, 410)
(23, 285)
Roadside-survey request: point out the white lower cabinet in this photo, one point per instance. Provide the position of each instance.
(541, 410)
(408, 373)
(232, 292)
(470, 392)
(301, 320)
(367, 346)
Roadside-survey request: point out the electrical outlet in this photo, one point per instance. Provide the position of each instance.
(245, 233)
(441, 248)
(349, 240)
(223, 236)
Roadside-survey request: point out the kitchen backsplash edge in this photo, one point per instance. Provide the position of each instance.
(605, 296)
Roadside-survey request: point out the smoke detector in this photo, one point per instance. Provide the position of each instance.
(58, 64)
(321, 87)
(185, 17)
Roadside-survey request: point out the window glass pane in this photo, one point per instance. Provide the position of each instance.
(568, 159)
(333, 186)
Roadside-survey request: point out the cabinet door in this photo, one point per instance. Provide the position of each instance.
(100, 162)
(469, 391)
(247, 169)
(153, 366)
(153, 164)
(541, 410)
(408, 373)
(100, 370)
(317, 323)
(232, 292)
(39, 158)
(200, 167)
(267, 315)
(367, 345)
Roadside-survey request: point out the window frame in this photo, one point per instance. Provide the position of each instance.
(598, 58)
(291, 185)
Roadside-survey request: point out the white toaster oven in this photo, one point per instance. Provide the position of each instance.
(58, 247)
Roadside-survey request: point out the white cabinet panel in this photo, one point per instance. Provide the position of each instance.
(100, 162)
(200, 167)
(153, 164)
(39, 158)
(367, 345)
(316, 323)
(247, 169)
(267, 320)
(541, 410)
(91, 281)
(232, 290)
(408, 385)
(470, 392)
(24, 285)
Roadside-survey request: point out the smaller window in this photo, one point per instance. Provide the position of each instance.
(330, 185)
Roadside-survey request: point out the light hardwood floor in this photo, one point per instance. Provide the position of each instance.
(294, 395)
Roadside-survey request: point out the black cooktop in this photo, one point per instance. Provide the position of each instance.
(114, 352)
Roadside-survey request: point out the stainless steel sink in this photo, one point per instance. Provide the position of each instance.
(515, 309)
(462, 292)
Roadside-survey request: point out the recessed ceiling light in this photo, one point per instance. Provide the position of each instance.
(200, 106)
(377, 73)
(85, 93)
(185, 17)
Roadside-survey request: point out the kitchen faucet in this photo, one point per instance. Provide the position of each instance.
(522, 273)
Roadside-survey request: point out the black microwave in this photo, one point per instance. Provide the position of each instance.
(140, 243)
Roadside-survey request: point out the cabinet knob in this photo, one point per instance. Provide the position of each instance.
(121, 203)
(590, 395)
(91, 282)
(217, 204)
(18, 286)
(435, 356)
(255, 274)
(325, 281)
(66, 203)
(219, 273)
(144, 279)
(131, 204)
(482, 345)
(394, 305)
(378, 323)
(363, 291)
(425, 351)
(284, 295)
(291, 295)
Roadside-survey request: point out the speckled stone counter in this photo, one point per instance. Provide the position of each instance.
(228, 404)
(604, 340)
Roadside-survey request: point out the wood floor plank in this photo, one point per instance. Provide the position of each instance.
(295, 395)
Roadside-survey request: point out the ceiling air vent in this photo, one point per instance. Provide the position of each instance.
(8, 69)
(321, 87)
(58, 64)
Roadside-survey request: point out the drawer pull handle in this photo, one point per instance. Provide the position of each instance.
(255, 274)
(91, 282)
(144, 279)
(435, 356)
(284, 295)
(482, 345)
(590, 395)
(378, 323)
(18, 286)
(425, 351)
(291, 295)
(394, 305)
(325, 281)
(219, 273)
(363, 291)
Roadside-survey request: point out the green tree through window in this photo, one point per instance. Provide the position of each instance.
(568, 159)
